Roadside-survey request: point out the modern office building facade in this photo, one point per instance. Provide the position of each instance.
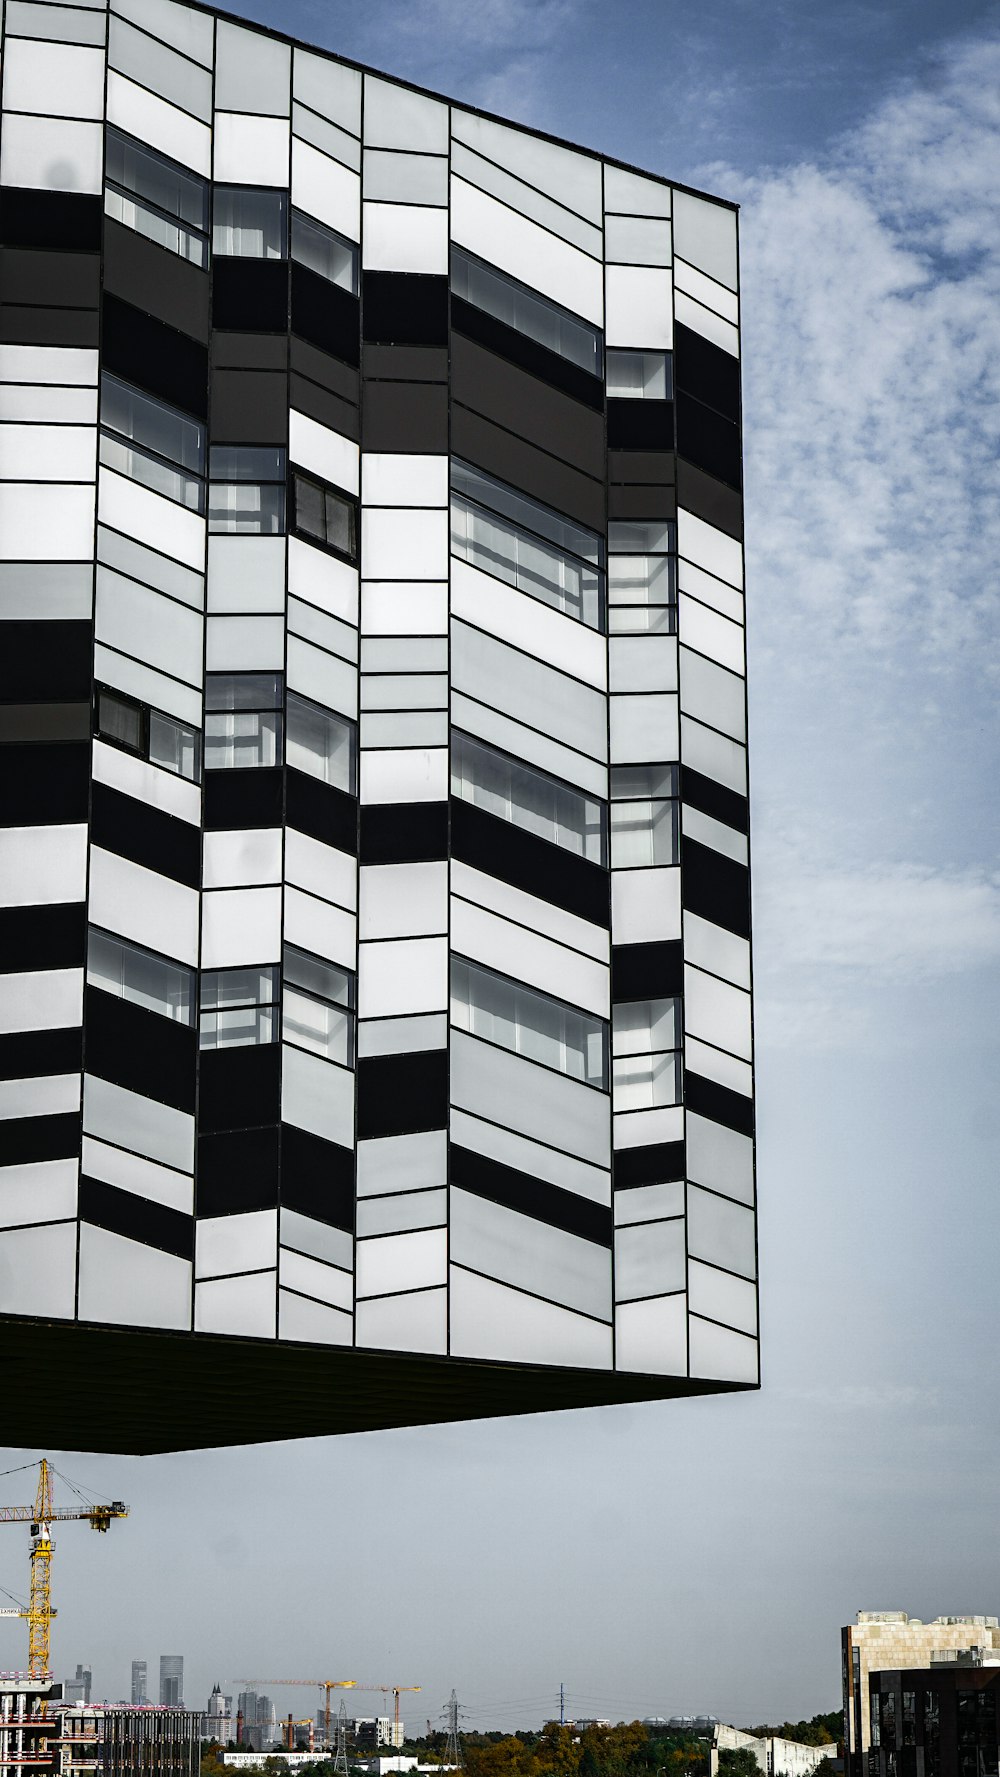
(938, 1721)
(172, 1681)
(375, 943)
(886, 1641)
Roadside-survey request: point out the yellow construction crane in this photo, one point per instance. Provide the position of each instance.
(395, 1690)
(40, 1516)
(324, 1684)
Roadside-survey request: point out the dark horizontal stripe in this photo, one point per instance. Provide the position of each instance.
(239, 1088)
(66, 220)
(53, 280)
(145, 351)
(49, 937)
(715, 799)
(136, 830)
(400, 1094)
(526, 466)
(534, 1197)
(405, 417)
(719, 1103)
(641, 425)
(25, 1140)
(250, 295)
(140, 1050)
(252, 798)
(250, 407)
(26, 1054)
(325, 813)
(408, 364)
(658, 1164)
(638, 469)
(710, 499)
(137, 1218)
(325, 315)
(46, 785)
(22, 325)
(511, 397)
(715, 887)
(403, 832)
(317, 1177)
(706, 371)
(643, 501)
(237, 1171)
(647, 971)
(530, 863)
(161, 284)
(709, 441)
(404, 308)
(38, 723)
(508, 342)
(46, 661)
(326, 368)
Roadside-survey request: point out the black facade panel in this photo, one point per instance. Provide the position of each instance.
(320, 367)
(46, 662)
(25, 1054)
(705, 371)
(52, 280)
(660, 1163)
(317, 1177)
(715, 799)
(66, 220)
(322, 811)
(521, 403)
(20, 325)
(403, 832)
(642, 502)
(405, 309)
(643, 468)
(534, 471)
(325, 315)
(405, 417)
(517, 348)
(239, 1088)
(40, 722)
(145, 834)
(49, 937)
(140, 1050)
(44, 785)
(145, 351)
(647, 971)
(328, 409)
(251, 798)
(237, 1171)
(26, 1140)
(708, 1099)
(250, 295)
(158, 282)
(249, 407)
(641, 425)
(710, 499)
(530, 1196)
(136, 1218)
(530, 863)
(249, 351)
(400, 1094)
(405, 364)
(715, 887)
(707, 440)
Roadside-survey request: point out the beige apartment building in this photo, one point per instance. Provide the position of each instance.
(889, 1640)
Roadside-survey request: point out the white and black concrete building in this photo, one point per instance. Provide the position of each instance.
(374, 865)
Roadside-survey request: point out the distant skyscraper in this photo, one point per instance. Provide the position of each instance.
(77, 1690)
(172, 1681)
(218, 1718)
(140, 1692)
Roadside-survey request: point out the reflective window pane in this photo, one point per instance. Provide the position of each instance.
(238, 740)
(530, 1024)
(322, 744)
(317, 977)
(243, 691)
(246, 462)
(172, 189)
(527, 310)
(120, 721)
(152, 443)
(325, 516)
(238, 1007)
(324, 252)
(528, 798)
(246, 508)
(526, 544)
(644, 834)
(175, 746)
(138, 975)
(641, 1027)
(639, 376)
(640, 537)
(249, 224)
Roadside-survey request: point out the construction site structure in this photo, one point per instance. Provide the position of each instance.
(326, 1685)
(41, 1516)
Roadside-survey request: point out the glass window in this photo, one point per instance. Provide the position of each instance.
(243, 725)
(175, 746)
(156, 198)
(246, 494)
(529, 1023)
(249, 224)
(528, 545)
(132, 973)
(318, 1006)
(324, 252)
(321, 743)
(152, 443)
(643, 376)
(528, 798)
(325, 516)
(527, 310)
(645, 817)
(642, 580)
(238, 1007)
(121, 721)
(646, 1047)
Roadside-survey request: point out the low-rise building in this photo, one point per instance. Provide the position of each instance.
(775, 1757)
(887, 1641)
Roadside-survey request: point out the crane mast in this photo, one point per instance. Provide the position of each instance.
(41, 1517)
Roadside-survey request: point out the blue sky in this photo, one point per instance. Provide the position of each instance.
(702, 1555)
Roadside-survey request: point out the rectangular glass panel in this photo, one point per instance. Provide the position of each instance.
(236, 740)
(246, 508)
(153, 425)
(528, 798)
(169, 188)
(526, 310)
(249, 224)
(641, 580)
(321, 979)
(138, 465)
(642, 1027)
(237, 1028)
(322, 744)
(529, 1023)
(527, 514)
(322, 513)
(631, 620)
(646, 1082)
(175, 746)
(316, 1025)
(222, 989)
(629, 536)
(324, 252)
(134, 974)
(243, 691)
(120, 721)
(644, 834)
(639, 376)
(132, 213)
(637, 782)
(246, 462)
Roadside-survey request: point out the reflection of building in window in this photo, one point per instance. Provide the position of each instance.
(528, 798)
(529, 1023)
(519, 540)
(243, 723)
